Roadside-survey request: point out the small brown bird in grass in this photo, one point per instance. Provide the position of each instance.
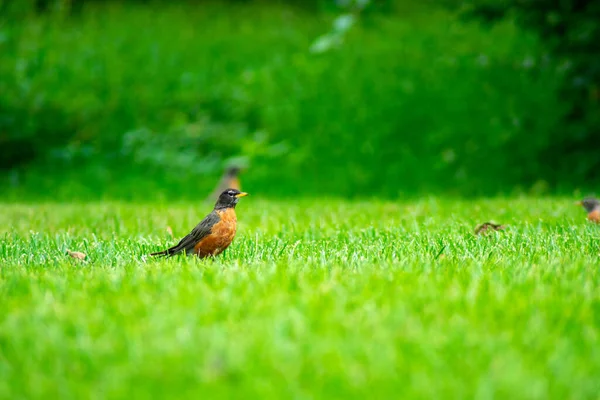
(76, 254)
(486, 227)
(229, 180)
(214, 233)
(592, 207)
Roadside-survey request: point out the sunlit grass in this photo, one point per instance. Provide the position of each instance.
(313, 299)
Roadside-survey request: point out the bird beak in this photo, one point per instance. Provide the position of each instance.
(242, 194)
(579, 203)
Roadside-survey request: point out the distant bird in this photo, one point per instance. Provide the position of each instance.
(486, 227)
(592, 207)
(76, 254)
(229, 180)
(214, 233)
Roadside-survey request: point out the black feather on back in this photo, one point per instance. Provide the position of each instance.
(188, 243)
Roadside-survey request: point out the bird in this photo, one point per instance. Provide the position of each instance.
(484, 228)
(214, 233)
(592, 207)
(229, 180)
(76, 254)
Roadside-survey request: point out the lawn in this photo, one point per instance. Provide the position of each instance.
(314, 299)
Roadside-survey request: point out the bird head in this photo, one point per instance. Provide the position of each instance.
(233, 171)
(229, 198)
(590, 204)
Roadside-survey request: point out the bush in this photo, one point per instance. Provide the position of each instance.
(410, 102)
(570, 32)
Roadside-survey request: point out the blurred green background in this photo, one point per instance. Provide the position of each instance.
(151, 99)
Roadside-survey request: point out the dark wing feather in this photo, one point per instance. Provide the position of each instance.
(188, 243)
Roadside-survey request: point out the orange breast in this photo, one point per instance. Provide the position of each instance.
(594, 216)
(220, 237)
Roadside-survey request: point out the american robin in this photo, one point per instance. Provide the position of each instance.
(214, 233)
(229, 180)
(484, 228)
(592, 207)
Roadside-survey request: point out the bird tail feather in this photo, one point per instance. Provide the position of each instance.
(164, 253)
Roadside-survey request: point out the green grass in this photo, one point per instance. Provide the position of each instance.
(315, 299)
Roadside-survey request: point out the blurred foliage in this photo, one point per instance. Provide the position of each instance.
(409, 101)
(69, 7)
(570, 32)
